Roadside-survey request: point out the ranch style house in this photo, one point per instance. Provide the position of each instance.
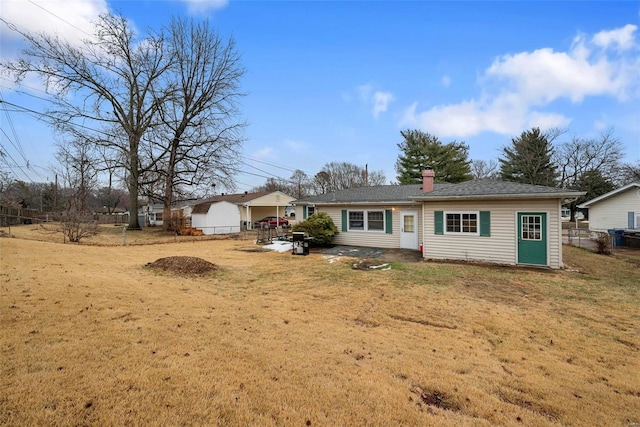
(480, 220)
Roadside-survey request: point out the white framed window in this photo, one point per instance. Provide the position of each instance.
(461, 223)
(366, 220)
(531, 227)
(311, 210)
(356, 220)
(375, 220)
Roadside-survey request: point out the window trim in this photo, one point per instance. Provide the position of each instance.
(522, 230)
(461, 232)
(365, 221)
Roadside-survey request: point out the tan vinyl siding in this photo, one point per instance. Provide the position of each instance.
(259, 212)
(612, 212)
(273, 199)
(376, 239)
(501, 246)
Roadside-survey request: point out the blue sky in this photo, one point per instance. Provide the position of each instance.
(337, 81)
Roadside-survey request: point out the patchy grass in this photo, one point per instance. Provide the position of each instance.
(90, 336)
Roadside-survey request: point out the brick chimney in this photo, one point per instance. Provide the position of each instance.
(427, 180)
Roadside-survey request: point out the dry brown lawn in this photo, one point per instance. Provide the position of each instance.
(91, 335)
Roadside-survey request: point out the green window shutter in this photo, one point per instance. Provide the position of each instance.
(304, 212)
(344, 220)
(388, 221)
(438, 222)
(485, 223)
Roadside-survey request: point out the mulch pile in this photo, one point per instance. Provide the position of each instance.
(183, 265)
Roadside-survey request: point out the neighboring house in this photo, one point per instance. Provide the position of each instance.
(619, 209)
(251, 206)
(216, 217)
(480, 220)
(151, 214)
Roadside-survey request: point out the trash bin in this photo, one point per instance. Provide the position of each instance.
(617, 237)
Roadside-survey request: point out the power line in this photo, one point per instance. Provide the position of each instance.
(62, 19)
(6, 153)
(18, 147)
(275, 165)
(48, 117)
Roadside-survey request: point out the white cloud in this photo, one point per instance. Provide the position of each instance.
(544, 75)
(200, 6)
(70, 19)
(446, 81)
(381, 102)
(504, 115)
(517, 87)
(622, 38)
(378, 100)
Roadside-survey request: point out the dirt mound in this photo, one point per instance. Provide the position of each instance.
(183, 265)
(371, 264)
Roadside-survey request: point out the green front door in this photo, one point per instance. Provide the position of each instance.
(532, 238)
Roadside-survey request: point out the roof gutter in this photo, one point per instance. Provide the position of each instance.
(346, 202)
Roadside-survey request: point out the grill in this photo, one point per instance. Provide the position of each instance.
(300, 243)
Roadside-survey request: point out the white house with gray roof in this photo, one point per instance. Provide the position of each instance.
(617, 209)
(480, 220)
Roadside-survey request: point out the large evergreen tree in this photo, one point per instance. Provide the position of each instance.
(450, 162)
(529, 159)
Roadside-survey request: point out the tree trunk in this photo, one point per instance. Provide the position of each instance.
(134, 171)
(168, 186)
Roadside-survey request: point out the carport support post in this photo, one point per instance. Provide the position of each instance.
(124, 236)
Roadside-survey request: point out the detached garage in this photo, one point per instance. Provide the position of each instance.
(216, 217)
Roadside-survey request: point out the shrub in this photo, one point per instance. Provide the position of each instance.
(320, 226)
(74, 226)
(603, 243)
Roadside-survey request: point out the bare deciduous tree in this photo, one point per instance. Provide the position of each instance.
(78, 172)
(485, 169)
(110, 80)
(200, 115)
(300, 184)
(628, 173)
(336, 176)
(578, 157)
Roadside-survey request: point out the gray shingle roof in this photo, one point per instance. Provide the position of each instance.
(492, 188)
(375, 194)
(479, 188)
